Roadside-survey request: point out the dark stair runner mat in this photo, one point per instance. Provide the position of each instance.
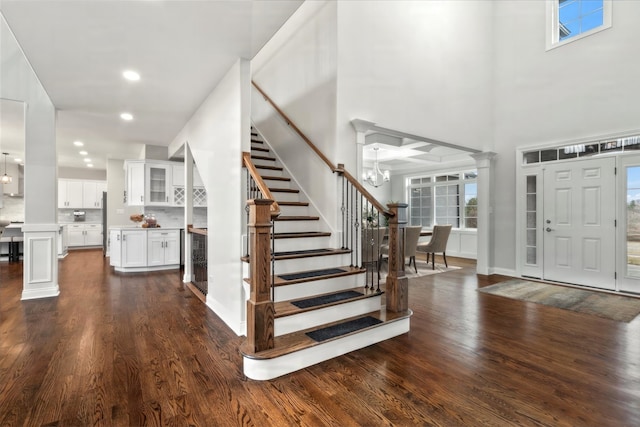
(326, 299)
(314, 273)
(342, 328)
(308, 251)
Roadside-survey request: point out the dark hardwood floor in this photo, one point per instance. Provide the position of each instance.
(142, 349)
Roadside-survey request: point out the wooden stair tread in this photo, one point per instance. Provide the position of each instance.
(296, 218)
(306, 253)
(259, 157)
(290, 343)
(287, 308)
(263, 149)
(295, 235)
(273, 168)
(286, 203)
(284, 190)
(256, 141)
(275, 178)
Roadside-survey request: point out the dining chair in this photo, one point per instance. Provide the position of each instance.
(437, 244)
(371, 241)
(411, 237)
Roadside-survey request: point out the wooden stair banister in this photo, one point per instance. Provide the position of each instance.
(295, 128)
(246, 161)
(386, 212)
(338, 169)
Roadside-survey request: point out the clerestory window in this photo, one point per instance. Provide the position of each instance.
(570, 20)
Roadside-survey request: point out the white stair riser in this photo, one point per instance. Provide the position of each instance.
(334, 313)
(264, 162)
(285, 197)
(266, 369)
(276, 183)
(311, 263)
(270, 172)
(294, 210)
(298, 226)
(301, 244)
(315, 287)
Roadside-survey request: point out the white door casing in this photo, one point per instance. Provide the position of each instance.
(579, 222)
(627, 248)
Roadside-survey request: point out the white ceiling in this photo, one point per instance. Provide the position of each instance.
(79, 49)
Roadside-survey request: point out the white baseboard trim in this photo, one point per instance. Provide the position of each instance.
(267, 369)
(503, 271)
(48, 292)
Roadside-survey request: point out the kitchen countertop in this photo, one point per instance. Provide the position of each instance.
(137, 227)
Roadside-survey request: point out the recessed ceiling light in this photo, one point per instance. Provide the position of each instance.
(83, 153)
(78, 143)
(89, 165)
(18, 160)
(126, 116)
(87, 160)
(131, 75)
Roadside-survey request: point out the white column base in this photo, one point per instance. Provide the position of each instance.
(40, 269)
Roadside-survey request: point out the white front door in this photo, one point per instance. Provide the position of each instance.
(579, 222)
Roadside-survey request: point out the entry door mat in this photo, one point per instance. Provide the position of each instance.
(312, 273)
(614, 307)
(343, 328)
(326, 299)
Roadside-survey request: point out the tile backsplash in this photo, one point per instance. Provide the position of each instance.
(12, 209)
(90, 215)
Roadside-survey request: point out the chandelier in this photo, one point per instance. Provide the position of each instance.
(5, 179)
(375, 176)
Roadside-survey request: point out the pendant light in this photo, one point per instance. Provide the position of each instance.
(6, 179)
(376, 177)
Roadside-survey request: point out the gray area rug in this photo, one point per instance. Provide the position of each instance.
(615, 307)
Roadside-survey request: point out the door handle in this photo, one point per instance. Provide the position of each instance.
(549, 229)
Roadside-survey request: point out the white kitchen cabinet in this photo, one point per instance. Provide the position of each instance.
(79, 235)
(158, 184)
(134, 248)
(144, 249)
(163, 247)
(135, 183)
(179, 191)
(63, 239)
(149, 183)
(92, 194)
(70, 194)
(115, 248)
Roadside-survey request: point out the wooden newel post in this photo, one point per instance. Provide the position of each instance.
(397, 286)
(260, 310)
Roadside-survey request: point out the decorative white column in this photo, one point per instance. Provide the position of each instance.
(361, 127)
(485, 210)
(40, 260)
(188, 212)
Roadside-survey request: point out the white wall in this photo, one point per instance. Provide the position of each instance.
(217, 134)
(583, 89)
(299, 74)
(19, 82)
(419, 67)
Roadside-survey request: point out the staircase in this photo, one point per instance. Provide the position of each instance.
(323, 305)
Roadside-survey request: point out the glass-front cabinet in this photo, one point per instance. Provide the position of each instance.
(158, 184)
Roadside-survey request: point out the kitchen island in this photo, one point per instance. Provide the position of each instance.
(137, 249)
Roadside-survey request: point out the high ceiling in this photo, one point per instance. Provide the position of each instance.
(181, 49)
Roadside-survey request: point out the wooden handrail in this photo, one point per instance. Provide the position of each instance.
(294, 127)
(246, 161)
(339, 169)
(194, 230)
(386, 212)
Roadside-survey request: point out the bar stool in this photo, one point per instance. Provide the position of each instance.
(14, 248)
